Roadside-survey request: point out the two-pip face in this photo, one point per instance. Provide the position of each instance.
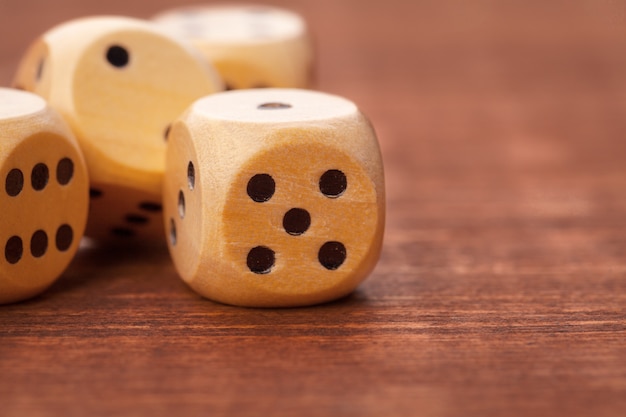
(291, 214)
(44, 195)
(120, 83)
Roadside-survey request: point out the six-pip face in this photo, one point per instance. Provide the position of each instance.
(44, 196)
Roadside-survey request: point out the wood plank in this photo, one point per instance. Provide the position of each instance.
(502, 286)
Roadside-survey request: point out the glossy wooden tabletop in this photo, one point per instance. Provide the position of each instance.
(502, 285)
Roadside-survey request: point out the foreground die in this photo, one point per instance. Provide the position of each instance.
(251, 46)
(44, 198)
(120, 83)
(274, 197)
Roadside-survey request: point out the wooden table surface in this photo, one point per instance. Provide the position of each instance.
(502, 285)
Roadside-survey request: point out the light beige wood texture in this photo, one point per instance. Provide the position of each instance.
(44, 195)
(119, 82)
(251, 46)
(234, 234)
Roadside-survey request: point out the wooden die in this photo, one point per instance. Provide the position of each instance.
(45, 195)
(274, 197)
(119, 82)
(251, 46)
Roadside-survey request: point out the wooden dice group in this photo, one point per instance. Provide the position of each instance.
(267, 197)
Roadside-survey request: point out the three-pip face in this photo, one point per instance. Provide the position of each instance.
(274, 197)
(251, 46)
(120, 83)
(44, 197)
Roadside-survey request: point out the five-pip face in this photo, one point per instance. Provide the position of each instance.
(291, 213)
(120, 83)
(44, 198)
(251, 46)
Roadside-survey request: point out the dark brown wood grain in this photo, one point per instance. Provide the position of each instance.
(502, 286)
